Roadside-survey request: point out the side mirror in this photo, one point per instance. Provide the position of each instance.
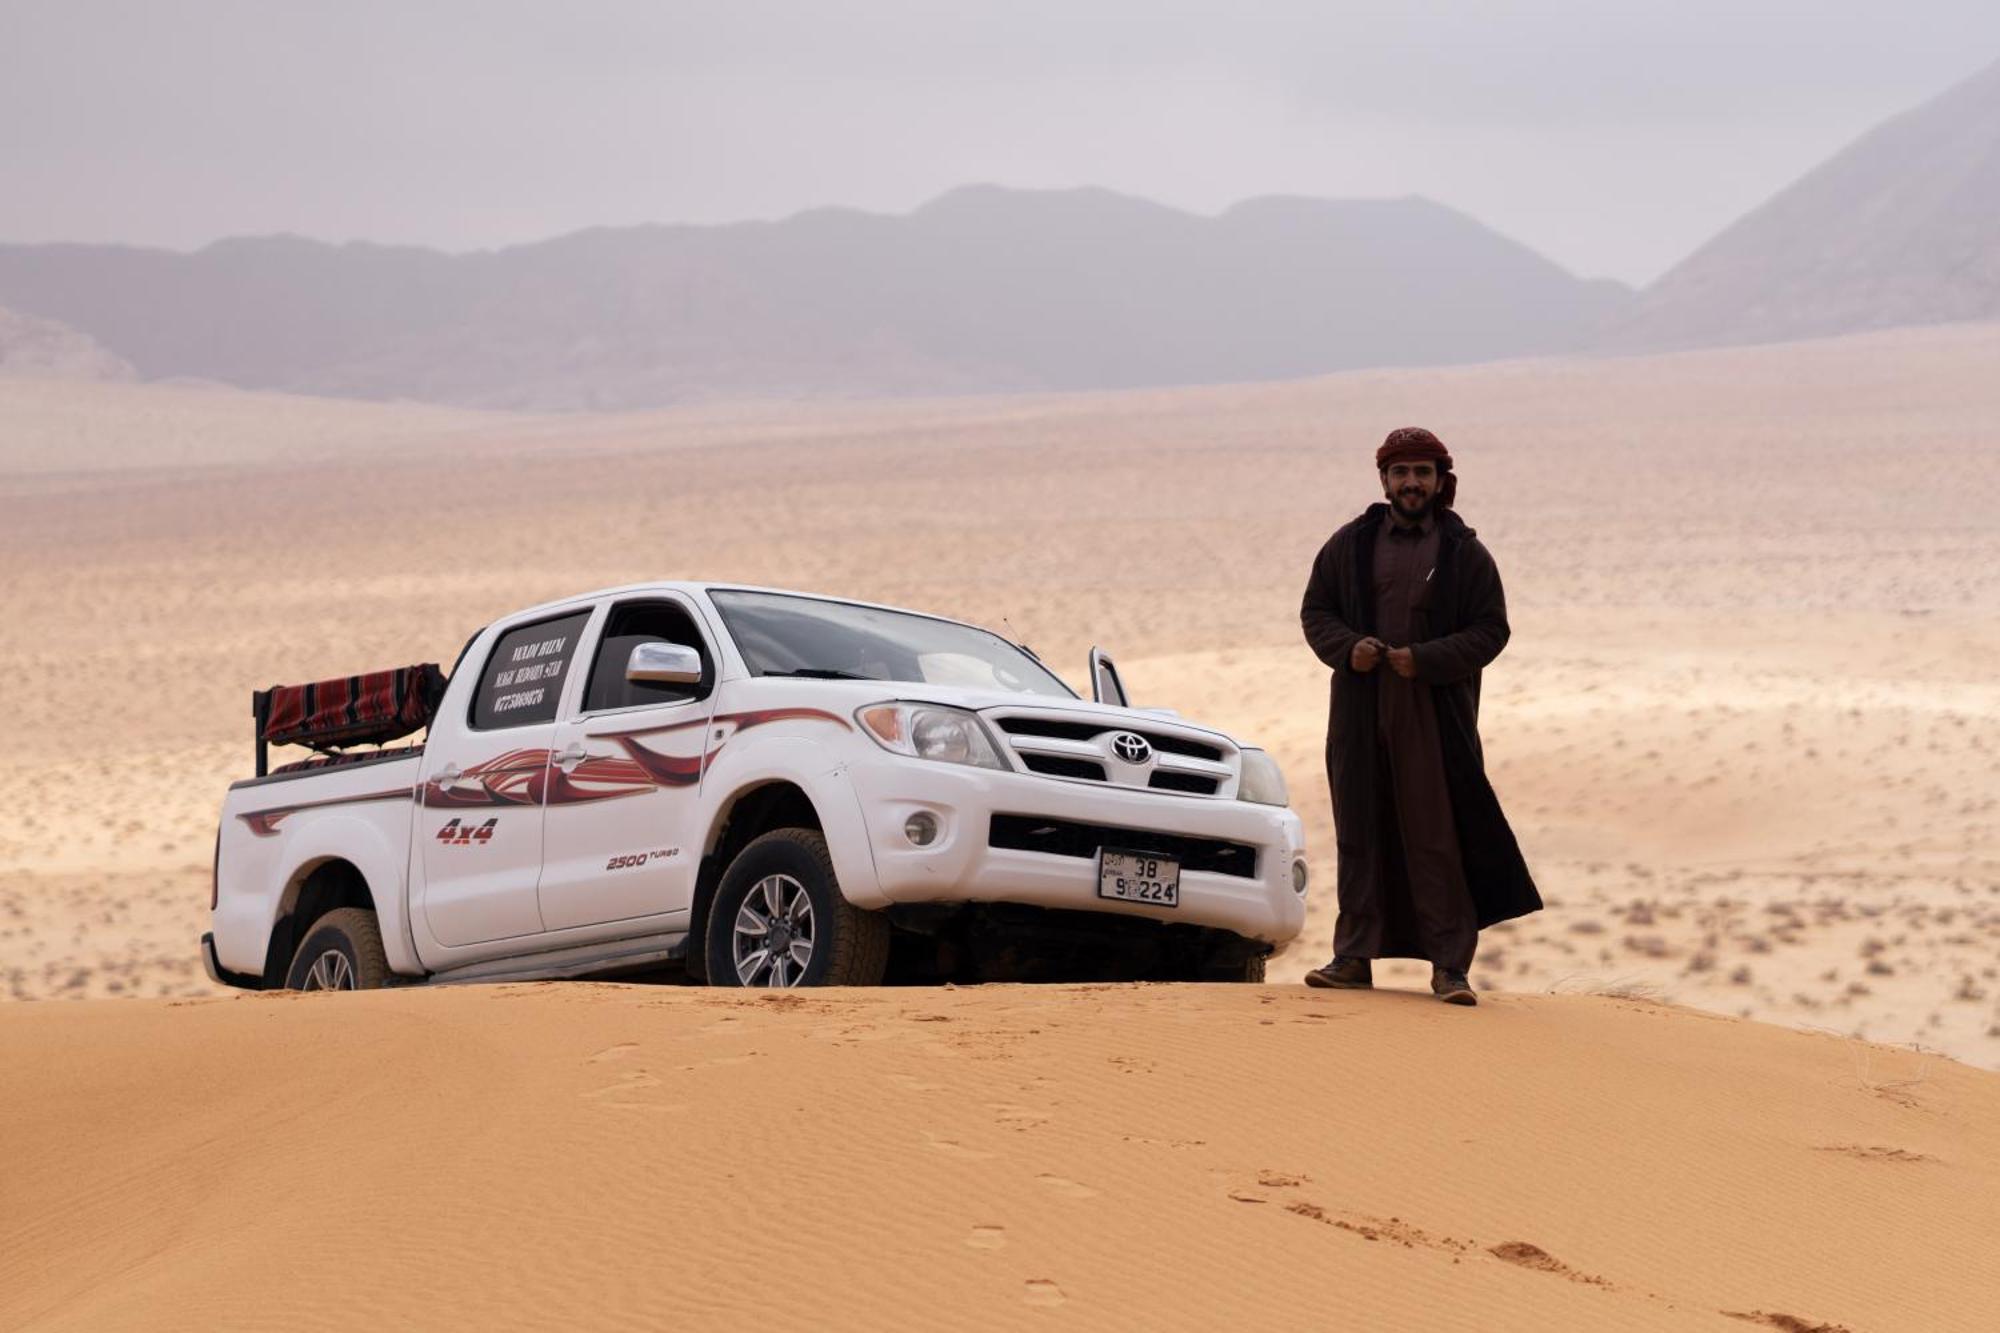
(662, 663)
(1105, 686)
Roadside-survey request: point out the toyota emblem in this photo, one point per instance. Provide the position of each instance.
(1131, 747)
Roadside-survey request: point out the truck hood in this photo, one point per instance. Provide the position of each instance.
(857, 693)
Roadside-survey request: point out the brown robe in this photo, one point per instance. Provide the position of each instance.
(1426, 857)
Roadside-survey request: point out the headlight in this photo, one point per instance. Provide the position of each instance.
(1262, 781)
(929, 731)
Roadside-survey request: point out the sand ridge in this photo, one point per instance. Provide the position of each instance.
(1174, 1157)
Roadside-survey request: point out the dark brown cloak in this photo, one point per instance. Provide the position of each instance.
(1461, 625)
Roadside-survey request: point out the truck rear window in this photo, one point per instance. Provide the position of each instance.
(523, 679)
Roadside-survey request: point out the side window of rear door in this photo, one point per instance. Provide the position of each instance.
(524, 675)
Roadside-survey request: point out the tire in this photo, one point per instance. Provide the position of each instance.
(786, 878)
(342, 951)
(1232, 967)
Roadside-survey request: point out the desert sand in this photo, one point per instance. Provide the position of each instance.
(1189, 1157)
(1748, 731)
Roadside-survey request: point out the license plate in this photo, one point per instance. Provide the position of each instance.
(1139, 877)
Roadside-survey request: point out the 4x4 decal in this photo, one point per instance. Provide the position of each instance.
(457, 833)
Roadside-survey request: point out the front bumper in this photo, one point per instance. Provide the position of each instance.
(962, 865)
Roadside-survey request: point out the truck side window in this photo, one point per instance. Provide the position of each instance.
(524, 675)
(631, 624)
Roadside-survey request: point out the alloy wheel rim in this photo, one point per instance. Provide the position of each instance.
(330, 971)
(773, 938)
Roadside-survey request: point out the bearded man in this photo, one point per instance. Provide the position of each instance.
(1405, 605)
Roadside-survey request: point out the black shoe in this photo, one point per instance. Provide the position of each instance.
(1452, 987)
(1343, 974)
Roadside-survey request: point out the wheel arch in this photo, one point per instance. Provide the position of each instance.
(751, 810)
(367, 854)
(318, 885)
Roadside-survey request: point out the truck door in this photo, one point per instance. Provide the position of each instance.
(620, 839)
(480, 807)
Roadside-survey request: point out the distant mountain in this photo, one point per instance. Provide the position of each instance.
(42, 348)
(983, 289)
(1901, 227)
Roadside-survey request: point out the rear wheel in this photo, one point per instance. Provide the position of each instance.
(342, 951)
(779, 920)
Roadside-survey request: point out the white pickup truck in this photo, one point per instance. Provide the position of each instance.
(752, 788)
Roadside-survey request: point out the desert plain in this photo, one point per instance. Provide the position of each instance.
(1738, 1074)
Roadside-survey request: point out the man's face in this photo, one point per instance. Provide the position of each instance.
(1410, 488)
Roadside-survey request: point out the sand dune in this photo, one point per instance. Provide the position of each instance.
(1746, 727)
(1748, 730)
(1111, 1157)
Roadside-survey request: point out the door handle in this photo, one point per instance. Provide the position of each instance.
(569, 758)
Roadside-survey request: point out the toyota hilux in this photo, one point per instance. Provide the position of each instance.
(747, 787)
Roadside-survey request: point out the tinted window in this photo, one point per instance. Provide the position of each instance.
(631, 624)
(524, 676)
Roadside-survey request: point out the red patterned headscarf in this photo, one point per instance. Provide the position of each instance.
(1414, 444)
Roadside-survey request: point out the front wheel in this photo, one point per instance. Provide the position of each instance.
(779, 920)
(1231, 964)
(342, 951)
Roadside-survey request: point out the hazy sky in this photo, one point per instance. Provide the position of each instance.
(1613, 137)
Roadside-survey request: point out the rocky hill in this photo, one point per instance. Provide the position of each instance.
(1902, 227)
(984, 289)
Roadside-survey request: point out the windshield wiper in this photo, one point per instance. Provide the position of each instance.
(820, 673)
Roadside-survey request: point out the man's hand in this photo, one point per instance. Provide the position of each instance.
(1403, 661)
(1367, 652)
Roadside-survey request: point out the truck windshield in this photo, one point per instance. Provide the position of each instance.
(784, 635)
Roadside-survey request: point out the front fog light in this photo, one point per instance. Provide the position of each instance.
(1299, 877)
(921, 828)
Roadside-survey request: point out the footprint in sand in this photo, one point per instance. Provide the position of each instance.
(1785, 1323)
(1041, 1291)
(630, 1093)
(636, 1081)
(911, 1083)
(953, 1148)
(853, 1032)
(1523, 1254)
(1875, 1153)
(1069, 1189)
(986, 1237)
(618, 1052)
(1017, 1117)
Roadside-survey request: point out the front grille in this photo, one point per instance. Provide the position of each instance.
(1048, 726)
(1198, 783)
(1065, 837)
(1060, 766)
(1088, 731)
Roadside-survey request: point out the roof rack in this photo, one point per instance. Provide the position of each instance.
(370, 709)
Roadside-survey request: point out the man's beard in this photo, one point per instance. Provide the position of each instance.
(1418, 514)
